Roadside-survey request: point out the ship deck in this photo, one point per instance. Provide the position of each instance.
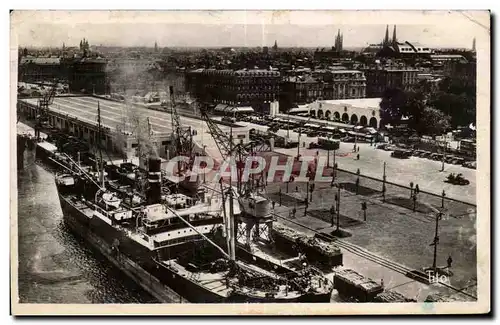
(80, 206)
(215, 282)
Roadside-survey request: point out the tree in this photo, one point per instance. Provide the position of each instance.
(391, 105)
(434, 121)
(397, 103)
(456, 100)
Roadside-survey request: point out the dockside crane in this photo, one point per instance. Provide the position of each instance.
(182, 136)
(43, 108)
(256, 209)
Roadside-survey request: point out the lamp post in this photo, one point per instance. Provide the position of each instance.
(357, 181)
(337, 199)
(384, 189)
(298, 147)
(411, 189)
(439, 216)
(332, 212)
(442, 199)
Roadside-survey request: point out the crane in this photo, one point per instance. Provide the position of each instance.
(182, 136)
(43, 108)
(256, 208)
(239, 151)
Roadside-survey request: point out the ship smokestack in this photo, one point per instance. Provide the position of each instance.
(154, 180)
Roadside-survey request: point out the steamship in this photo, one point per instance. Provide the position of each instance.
(171, 244)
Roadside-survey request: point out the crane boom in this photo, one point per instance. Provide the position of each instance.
(182, 136)
(239, 152)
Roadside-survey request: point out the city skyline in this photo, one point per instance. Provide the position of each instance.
(226, 32)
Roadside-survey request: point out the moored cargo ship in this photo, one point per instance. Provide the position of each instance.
(163, 243)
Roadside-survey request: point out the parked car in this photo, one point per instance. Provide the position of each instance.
(348, 139)
(426, 154)
(401, 153)
(312, 134)
(390, 148)
(449, 159)
(470, 164)
(457, 179)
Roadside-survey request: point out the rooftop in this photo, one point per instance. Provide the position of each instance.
(358, 102)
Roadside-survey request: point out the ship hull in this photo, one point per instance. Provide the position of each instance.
(305, 298)
(141, 276)
(161, 282)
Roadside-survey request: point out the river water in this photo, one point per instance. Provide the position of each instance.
(54, 265)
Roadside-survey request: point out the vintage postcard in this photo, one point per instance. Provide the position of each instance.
(250, 162)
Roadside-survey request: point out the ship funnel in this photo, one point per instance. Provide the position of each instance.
(154, 180)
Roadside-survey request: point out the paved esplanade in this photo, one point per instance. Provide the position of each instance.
(424, 172)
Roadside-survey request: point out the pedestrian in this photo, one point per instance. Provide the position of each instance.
(273, 203)
(357, 156)
(358, 148)
(294, 211)
(449, 261)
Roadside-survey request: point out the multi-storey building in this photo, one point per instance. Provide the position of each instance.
(255, 88)
(461, 70)
(88, 75)
(337, 84)
(40, 69)
(378, 79)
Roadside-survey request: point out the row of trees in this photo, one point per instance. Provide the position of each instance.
(430, 111)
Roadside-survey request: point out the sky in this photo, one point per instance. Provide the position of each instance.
(250, 28)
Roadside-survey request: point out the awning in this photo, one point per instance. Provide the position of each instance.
(221, 107)
(299, 110)
(357, 134)
(311, 125)
(241, 109)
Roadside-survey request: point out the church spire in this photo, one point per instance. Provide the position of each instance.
(474, 45)
(394, 38)
(338, 41)
(386, 39)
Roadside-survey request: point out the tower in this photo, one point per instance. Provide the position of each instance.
(474, 44)
(156, 47)
(338, 41)
(275, 46)
(394, 38)
(386, 39)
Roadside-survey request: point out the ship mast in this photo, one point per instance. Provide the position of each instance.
(101, 166)
(232, 248)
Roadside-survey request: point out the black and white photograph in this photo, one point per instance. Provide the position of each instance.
(252, 160)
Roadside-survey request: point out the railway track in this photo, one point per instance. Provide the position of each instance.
(382, 261)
